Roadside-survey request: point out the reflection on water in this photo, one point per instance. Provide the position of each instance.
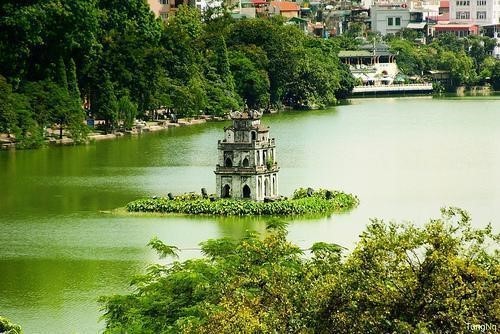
(403, 157)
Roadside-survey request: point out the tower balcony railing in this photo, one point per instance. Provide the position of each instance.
(249, 145)
(243, 170)
(237, 169)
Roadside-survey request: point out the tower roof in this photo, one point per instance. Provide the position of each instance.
(247, 114)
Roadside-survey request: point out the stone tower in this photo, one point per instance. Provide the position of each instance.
(247, 165)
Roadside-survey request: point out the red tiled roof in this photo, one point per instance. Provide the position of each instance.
(286, 6)
(259, 2)
(444, 3)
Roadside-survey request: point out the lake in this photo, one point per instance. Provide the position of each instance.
(404, 158)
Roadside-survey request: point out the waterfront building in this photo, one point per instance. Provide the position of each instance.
(475, 12)
(247, 165)
(372, 64)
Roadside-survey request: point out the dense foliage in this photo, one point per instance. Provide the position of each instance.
(8, 327)
(400, 278)
(320, 201)
(117, 56)
(467, 59)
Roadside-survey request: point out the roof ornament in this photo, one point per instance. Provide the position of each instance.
(235, 114)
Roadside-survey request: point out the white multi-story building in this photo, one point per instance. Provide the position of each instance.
(389, 19)
(480, 12)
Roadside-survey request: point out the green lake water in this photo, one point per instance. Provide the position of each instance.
(404, 157)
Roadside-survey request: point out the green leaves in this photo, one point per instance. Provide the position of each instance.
(8, 327)
(400, 278)
(193, 204)
(417, 278)
(162, 249)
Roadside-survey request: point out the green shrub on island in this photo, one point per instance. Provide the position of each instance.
(320, 201)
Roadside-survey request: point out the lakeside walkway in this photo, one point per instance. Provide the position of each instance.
(8, 142)
(387, 89)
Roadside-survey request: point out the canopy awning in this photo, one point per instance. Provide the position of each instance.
(419, 25)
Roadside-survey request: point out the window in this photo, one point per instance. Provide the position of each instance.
(246, 191)
(226, 191)
(463, 15)
(163, 2)
(481, 15)
(464, 2)
(398, 21)
(389, 21)
(481, 2)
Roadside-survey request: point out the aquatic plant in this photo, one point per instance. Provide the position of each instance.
(303, 202)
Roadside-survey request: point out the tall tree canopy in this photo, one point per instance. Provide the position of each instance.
(400, 278)
(103, 51)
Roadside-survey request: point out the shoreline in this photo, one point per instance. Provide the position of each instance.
(8, 143)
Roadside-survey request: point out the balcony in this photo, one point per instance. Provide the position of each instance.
(254, 144)
(245, 170)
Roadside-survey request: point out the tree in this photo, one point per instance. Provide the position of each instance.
(449, 41)
(36, 34)
(219, 85)
(16, 117)
(403, 278)
(490, 72)
(8, 327)
(60, 76)
(105, 104)
(73, 89)
(400, 278)
(7, 111)
(460, 65)
(409, 57)
(251, 285)
(280, 43)
(127, 110)
(251, 82)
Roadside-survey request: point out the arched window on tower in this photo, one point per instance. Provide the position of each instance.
(245, 162)
(226, 191)
(246, 191)
(259, 189)
(254, 135)
(267, 190)
(228, 162)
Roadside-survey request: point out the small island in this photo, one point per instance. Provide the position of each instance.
(304, 201)
(247, 181)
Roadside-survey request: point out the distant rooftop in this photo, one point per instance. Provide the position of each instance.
(444, 4)
(419, 25)
(285, 6)
(354, 53)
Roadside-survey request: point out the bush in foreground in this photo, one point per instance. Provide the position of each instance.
(320, 201)
(8, 327)
(440, 278)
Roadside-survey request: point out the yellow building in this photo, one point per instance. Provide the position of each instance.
(165, 8)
